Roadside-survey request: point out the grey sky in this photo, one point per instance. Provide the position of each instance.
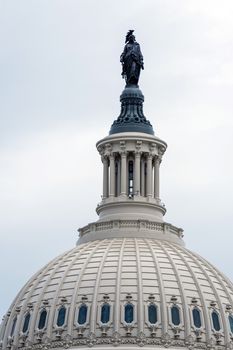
(59, 93)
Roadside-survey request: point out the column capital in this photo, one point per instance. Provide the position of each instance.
(101, 150)
(112, 155)
(138, 153)
(158, 159)
(161, 151)
(122, 145)
(104, 158)
(153, 148)
(108, 149)
(138, 145)
(123, 153)
(149, 156)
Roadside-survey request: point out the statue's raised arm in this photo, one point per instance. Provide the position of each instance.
(131, 59)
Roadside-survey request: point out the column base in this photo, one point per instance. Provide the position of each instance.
(136, 207)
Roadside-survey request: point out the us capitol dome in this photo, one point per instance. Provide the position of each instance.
(129, 282)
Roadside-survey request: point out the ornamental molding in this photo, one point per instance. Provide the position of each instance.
(116, 339)
(132, 224)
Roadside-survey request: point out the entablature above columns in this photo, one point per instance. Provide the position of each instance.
(126, 146)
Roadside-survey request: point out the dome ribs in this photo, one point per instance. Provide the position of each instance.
(36, 279)
(219, 277)
(216, 274)
(94, 245)
(163, 308)
(126, 270)
(40, 299)
(96, 289)
(185, 323)
(53, 306)
(118, 289)
(11, 313)
(197, 284)
(216, 294)
(140, 291)
(33, 325)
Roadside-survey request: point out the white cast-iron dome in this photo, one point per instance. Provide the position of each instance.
(129, 281)
(117, 272)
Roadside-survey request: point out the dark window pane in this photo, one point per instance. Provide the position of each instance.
(42, 319)
(175, 315)
(131, 176)
(215, 319)
(26, 323)
(128, 313)
(61, 316)
(105, 313)
(82, 314)
(13, 327)
(196, 318)
(231, 322)
(152, 314)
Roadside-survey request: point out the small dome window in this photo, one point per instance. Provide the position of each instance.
(152, 314)
(82, 314)
(105, 313)
(130, 178)
(42, 319)
(61, 316)
(215, 320)
(230, 318)
(26, 322)
(196, 318)
(129, 313)
(175, 313)
(13, 326)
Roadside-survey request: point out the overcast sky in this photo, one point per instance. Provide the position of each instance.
(59, 93)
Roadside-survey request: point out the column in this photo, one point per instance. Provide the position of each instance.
(105, 177)
(123, 174)
(142, 177)
(112, 176)
(118, 178)
(149, 176)
(137, 174)
(156, 178)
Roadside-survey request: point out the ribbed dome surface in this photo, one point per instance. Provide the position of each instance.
(119, 272)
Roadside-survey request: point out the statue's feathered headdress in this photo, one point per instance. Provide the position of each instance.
(130, 32)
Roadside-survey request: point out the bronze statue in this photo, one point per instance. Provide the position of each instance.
(131, 59)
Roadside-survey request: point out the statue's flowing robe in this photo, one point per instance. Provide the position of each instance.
(132, 60)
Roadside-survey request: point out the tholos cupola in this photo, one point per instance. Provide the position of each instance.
(131, 157)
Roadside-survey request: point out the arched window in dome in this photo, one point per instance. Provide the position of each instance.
(175, 313)
(26, 322)
(82, 314)
(61, 316)
(42, 319)
(105, 313)
(196, 317)
(129, 313)
(215, 320)
(13, 326)
(130, 178)
(230, 318)
(152, 314)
